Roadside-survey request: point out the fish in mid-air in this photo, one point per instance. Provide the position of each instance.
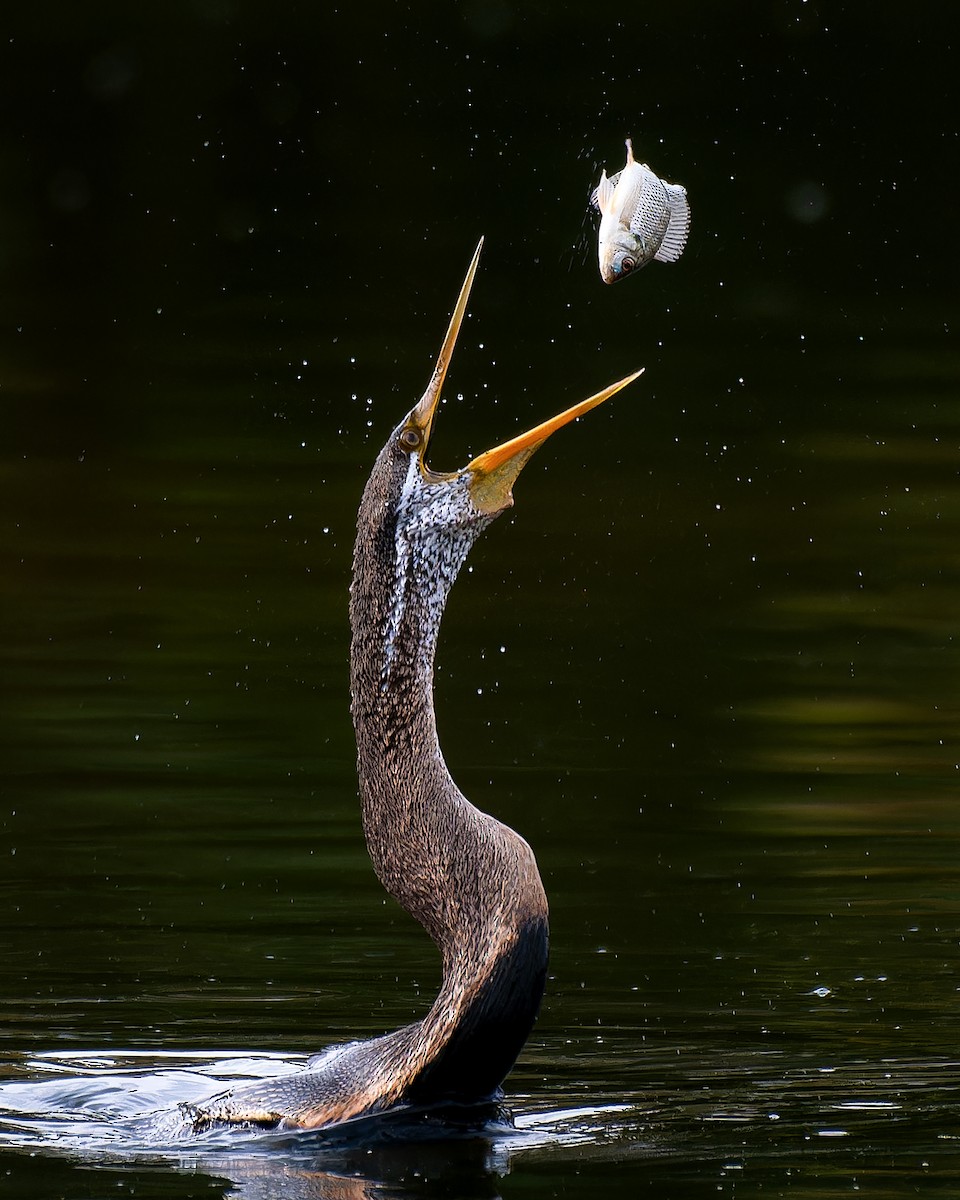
(642, 218)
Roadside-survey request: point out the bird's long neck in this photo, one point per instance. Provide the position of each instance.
(471, 881)
(420, 829)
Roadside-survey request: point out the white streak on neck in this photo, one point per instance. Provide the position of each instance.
(400, 578)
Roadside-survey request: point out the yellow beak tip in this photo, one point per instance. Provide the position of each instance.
(493, 473)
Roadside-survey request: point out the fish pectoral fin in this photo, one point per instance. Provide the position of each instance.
(678, 224)
(603, 193)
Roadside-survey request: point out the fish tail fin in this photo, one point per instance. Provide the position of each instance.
(678, 224)
(603, 193)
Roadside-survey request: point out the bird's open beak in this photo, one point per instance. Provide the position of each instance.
(422, 416)
(493, 473)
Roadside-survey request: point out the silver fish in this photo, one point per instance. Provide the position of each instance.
(642, 218)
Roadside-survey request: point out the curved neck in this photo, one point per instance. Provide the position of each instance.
(471, 881)
(468, 879)
(419, 827)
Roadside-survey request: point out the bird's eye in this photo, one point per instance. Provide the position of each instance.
(627, 266)
(410, 439)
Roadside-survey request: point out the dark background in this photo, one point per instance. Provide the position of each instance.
(709, 664)
(284, 177)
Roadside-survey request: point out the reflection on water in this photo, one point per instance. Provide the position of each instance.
(124, 1108)
(727, 1111)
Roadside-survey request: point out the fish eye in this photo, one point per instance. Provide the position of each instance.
(410, 438)
(627, 266)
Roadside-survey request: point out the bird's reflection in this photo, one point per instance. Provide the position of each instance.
(462, 1168)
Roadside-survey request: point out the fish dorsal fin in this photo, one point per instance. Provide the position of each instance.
(603, 193)
(678, 224)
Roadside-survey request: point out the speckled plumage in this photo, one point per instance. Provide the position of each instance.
(468, 879)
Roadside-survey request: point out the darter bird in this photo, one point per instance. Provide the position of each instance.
(470, 880)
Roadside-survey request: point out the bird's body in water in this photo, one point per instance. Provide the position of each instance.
(471, 881)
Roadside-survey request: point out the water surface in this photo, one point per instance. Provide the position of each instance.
(707, 666)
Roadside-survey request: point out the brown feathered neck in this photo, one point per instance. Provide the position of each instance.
(467, 878)
(446, 862)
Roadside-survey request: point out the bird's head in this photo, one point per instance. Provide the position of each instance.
(484, 486)
(417, 525)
